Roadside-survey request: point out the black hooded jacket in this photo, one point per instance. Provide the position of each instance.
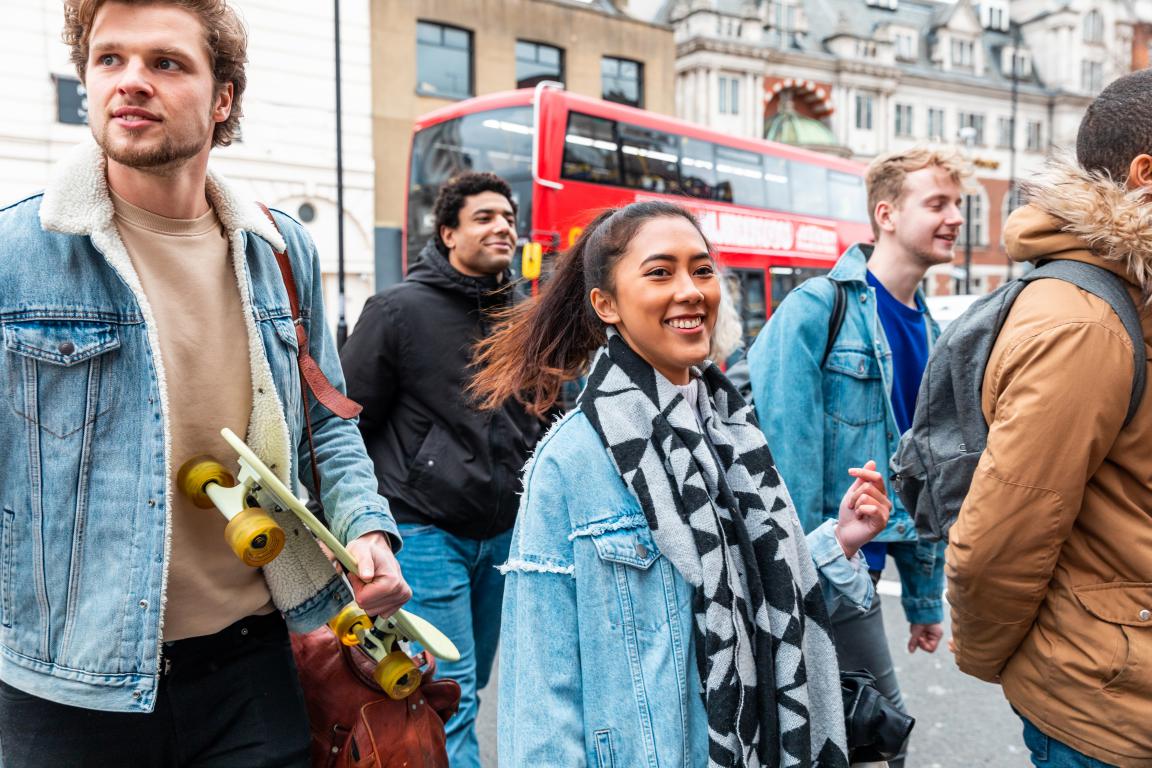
(408, 362)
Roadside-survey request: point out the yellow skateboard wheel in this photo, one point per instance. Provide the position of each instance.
(195, 476)
(254, 537)
(397, 675)
(345, 623)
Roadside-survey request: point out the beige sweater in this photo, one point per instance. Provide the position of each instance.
(188, 277)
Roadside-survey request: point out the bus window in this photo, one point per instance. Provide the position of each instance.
(499, 140)
(848, 196)
(739, 177)
(651, 159)
(809, 189)
(784, 279)
(697, 168)
(776, 178)
(590, 150)
(746, 286)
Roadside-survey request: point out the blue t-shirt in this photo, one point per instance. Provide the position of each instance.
(907, 333)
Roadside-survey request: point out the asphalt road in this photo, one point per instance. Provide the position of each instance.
(961, 722)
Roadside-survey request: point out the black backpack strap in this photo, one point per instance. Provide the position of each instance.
(1111, 288)
(836, 319)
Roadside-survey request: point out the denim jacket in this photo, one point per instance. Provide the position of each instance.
(84, 441)
(597, 657)
(821, 421)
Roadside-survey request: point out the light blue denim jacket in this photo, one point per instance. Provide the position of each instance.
(597, 657)
(84, 442)
(820, 422)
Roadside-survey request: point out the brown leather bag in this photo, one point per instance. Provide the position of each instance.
(354, 724)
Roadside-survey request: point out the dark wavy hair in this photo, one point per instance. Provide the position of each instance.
(450, 199)
(540, 344)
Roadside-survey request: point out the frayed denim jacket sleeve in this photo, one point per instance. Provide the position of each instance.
(841, 579)
(348, 480)
(541, 719)
(788, 392)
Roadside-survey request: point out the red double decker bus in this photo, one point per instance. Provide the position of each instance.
(776, 214)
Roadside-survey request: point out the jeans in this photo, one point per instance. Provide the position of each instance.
(229, 699)
(862, 644)
(1049, 753)
(455, 585)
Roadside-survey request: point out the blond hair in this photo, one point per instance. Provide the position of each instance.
(225, 38)
(886, 174)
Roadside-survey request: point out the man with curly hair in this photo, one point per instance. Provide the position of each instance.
(450, 471)
(142, 309)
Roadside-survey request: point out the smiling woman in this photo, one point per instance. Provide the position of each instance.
(654, 532)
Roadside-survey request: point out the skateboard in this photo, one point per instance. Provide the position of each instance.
(256, 538)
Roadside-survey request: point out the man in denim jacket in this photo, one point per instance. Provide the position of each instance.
(822, 416)
(141, 310)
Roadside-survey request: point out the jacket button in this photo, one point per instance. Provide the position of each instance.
(900, 527)
(137, 695)
(144, 604)
(889, 435)
(1145, 615)
(863, 298)
(66, 348)
(641, 551)
(431, 463)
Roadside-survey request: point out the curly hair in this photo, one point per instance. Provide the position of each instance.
(225, 38)
(451, 197)
(1117, 127)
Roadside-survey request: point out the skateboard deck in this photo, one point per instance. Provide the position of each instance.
(256, 479)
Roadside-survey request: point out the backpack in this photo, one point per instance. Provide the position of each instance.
(937, 457)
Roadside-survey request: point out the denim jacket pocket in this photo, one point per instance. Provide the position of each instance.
(853, 387)
(638, 587)
(56, 371)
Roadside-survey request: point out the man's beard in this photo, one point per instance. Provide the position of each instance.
(157, 158)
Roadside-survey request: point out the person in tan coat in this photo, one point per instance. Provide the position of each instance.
(1049, 565)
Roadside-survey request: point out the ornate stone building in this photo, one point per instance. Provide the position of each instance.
(1006, 81)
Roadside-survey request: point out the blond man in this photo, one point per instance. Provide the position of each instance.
(826, 395)
(142, 310)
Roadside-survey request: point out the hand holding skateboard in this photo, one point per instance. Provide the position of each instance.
(257, 539)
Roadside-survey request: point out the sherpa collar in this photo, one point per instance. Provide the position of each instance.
(77, 200)
(1111, 221)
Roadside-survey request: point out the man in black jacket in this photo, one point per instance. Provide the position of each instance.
(450, 472)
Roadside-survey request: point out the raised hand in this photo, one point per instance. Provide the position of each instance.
(864, 510)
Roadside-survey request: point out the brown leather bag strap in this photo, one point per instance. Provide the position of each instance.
(322, 389)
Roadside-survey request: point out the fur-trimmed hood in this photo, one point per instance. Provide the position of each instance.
(1084, 216)
(77, 201)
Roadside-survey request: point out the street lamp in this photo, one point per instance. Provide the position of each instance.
(967, 135)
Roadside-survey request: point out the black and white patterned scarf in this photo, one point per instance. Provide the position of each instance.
(721, 514)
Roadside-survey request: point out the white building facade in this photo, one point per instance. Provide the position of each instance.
(286, 157)
(885, 75)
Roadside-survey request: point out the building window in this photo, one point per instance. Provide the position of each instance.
(963, 54)
(1035, 140)
(1091, 76)
(443, 61)
(864, 111)
(935, 124)
(622, 81)
(729, 94)
(903, 119)
(978, 223)
(997, 18)
(906, 46)
(1004, 127)
(1094, 27)
(975, 121)
(536, 62)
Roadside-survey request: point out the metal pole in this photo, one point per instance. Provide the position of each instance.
(968, 243)
(341, 324)
(1012, 140)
